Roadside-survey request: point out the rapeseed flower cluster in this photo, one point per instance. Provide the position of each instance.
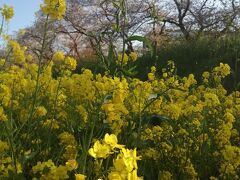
(3, 117)
(7, 12)
(54, 8)
(48, 170)
(123, 58)
(104, 149)
(124, 166)
(175, 123)
(64, 64)
(18, 51)
(59, 124)
(133, 56)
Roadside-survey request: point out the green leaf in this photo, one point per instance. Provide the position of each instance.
(132, 68)
(166, 96)
(118, 22)
(110, 53)
(238, 85)
(115, 4)
(128, 73)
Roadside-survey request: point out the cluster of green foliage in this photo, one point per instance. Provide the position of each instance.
(198, 55)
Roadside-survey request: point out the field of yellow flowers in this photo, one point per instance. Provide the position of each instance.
(99, 126)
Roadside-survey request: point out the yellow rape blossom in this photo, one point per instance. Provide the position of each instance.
(72, 164)
(7, 12)
(130, 159)
(112, 141)
(70, 145)
(133, 56)
(125, 165)
(153, 69)
(70, 63)
(115, 175)
(40, 111)
(58, 56)
(51, 123)
(229, 117)
(166, 119)
(100, 150)
(82, 112)
(151, 75)
(122, 59)
(54, 8)
(3, 117)
(222, 69)
(211, 99)
(80, 177)
(53, 171)
(2, 62)
(231, 162)
(3, 146)
(151, 153)
(18, 52)
(166, 175)
(67, 138)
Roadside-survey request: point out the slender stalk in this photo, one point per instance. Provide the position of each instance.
(39, 69)
(9, 131)
(88, 146)
(140, 117)
(1, 28)
(34, 99)
(124, 13)
(54, 109)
